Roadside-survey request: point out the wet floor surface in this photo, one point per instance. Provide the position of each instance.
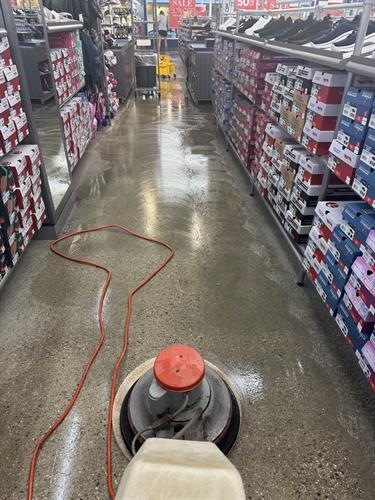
(307, 428)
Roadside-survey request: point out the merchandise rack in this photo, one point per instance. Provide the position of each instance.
(353, 65)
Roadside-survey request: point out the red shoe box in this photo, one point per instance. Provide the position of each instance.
(39, 214)
(324, 123)
(328, 95)
(5, 53)
(12, 79)
(21, 126)
(32, 155)
(341, 169)
(24, 194)
(18, 166)
(317, 148)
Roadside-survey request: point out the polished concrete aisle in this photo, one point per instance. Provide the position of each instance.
(307, 429)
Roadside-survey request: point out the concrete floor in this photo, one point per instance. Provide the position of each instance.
(307, 429)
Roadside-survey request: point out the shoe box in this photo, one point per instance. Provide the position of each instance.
(368, 358)
(358, 221)
(221, 101)
(21, 194)
(356, 338)
(358, 103)
(241, 128)
(223, 56)
(343, 249)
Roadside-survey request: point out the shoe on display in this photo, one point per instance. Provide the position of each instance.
(287, 25)
(297, 26)
(247, 24)
(231, 21)
(348, 44)
(271, 27)
(341, 30)
(259, 24)
(315, 30)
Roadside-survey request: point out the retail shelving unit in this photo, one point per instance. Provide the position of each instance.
(355, 64)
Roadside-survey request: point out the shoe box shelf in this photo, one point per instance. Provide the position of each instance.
(305, 136)
(22, 207)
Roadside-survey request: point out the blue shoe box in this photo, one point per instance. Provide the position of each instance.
(371, 122)
(358, 220)
(358, 103)
(368, 152)
(351, 134)
(334, 273)
(349, 329)
(343, 249)
(364, 182)
(327, 294)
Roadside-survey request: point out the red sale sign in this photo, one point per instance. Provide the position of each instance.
(254, 4)
(178, 9)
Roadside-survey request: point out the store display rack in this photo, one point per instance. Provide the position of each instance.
(336, 296)
(353, 65)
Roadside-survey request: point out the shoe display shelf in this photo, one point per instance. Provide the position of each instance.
(341, 264)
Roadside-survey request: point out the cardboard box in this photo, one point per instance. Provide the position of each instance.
(355, 338)
(331, 213)
(323, 109)
(315, 147)
(351, 134)
(326, 293)
(301, 99)
(358, 220)
(314, 120)
(358, 103)
(367, 314)
(18, 167)
(334, 273)
(327, 95)
(330, 78)
(341, 170)
(343, 249)
(368, 153)
(314, 257)
(364, 183)
(344, 154)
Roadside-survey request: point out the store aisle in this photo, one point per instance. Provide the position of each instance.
(163, 171)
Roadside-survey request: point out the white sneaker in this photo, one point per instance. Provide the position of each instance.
(261, 23)
(231, 21)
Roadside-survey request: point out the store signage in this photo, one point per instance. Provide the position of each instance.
(254, 4)
(179, 9)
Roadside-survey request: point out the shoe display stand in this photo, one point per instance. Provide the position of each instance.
(341, 275)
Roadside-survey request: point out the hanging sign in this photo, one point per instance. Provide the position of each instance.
(179, 9)
(254, 4)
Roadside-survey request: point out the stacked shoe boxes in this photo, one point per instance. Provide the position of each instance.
(221, 99)
(242, 129)
(75, 117)
(326, 95)
(250, 69)
(67, 63)
(304, 193)
(261, 122)
(13, 120)
(223, 57)
(347, 149)
(266, 100)
(21, 196)
(268, 160)
(282, 94)
(339, 259)
(329, 255)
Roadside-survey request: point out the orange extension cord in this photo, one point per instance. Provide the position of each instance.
(99, 344)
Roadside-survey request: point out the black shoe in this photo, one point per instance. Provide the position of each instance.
(342, 29)
(297, 26)
(274, 24)
(348, 44)
(286, 26)
(247, 24)
(312, 32)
